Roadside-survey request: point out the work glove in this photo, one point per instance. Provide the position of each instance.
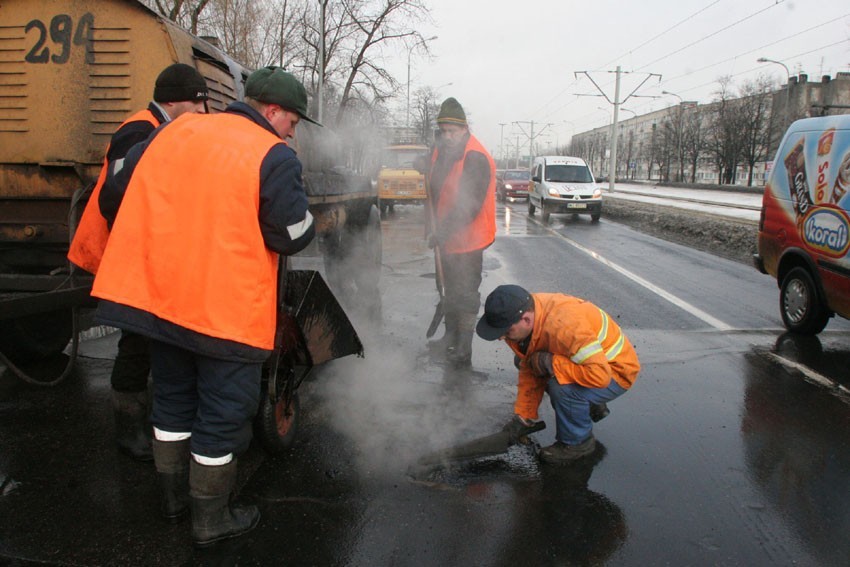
(541, 364)
(517, 426)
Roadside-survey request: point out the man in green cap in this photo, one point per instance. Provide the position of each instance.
(208, 202)
(462, 193)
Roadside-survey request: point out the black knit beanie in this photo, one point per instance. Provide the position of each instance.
(180, 82)
(451, 112)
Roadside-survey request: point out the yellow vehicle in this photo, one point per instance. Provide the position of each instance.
(399, 180)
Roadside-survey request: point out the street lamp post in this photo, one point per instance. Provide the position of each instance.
(787, 87)
(409, 51)
(679, 133)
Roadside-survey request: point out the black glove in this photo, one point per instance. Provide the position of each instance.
(541, 364)
(517, 427)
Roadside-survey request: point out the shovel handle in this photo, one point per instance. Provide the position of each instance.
(536, 426)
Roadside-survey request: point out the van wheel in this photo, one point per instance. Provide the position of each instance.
(530, 207)
(594, 217)
(802, 309)
(544, 214)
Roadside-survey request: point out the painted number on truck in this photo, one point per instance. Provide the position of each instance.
(54, 41)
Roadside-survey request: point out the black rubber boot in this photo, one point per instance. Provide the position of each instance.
(461, 355)
(132, 430)
(172, 471)
(213, 517)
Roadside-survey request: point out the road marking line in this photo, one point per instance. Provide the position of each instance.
(809, 374)
(681, 303)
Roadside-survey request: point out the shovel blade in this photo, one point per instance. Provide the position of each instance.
(435, 321)
(495, 444)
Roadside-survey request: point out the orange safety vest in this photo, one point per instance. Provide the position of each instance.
(186, 245)
(90, 237)
(588, 348)
(481, 232)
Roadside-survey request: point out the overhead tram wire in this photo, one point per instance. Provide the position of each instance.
(712, 34)
(761, 48)
(671, 28)
(751, 69)
(679, 50)
(632, 50)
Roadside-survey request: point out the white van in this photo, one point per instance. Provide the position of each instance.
(563, 184)
(803, 238)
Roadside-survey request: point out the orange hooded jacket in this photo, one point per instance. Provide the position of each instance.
(90, 238)
(588, 349)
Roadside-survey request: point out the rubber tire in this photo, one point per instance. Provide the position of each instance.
(544, 214)
(594, 217)
(275, 431)
(531, 208)
(803, 311)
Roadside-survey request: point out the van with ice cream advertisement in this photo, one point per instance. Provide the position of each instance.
(804, 231)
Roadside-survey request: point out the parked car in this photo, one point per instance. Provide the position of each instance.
(804, 225)
(512, 184)
(563, 184)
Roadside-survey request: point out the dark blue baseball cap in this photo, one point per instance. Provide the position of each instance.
(503, 308)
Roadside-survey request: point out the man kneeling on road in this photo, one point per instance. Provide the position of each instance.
(567, 347)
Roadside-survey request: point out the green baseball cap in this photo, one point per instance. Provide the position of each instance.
(273, 85)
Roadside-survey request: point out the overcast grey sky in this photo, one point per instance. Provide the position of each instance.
(514, 61)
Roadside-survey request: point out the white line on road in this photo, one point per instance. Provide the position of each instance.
(681, 303)
(811, 375)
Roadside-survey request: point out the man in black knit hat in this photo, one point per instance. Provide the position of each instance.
(462, 195)
(179, 89)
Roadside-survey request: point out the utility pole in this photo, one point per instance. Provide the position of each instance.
(531, 136)
(502, 141)
(612, 166)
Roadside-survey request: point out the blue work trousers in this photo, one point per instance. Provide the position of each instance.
(215, 400)
(571, 403)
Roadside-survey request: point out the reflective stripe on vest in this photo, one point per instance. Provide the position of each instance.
(86, 250)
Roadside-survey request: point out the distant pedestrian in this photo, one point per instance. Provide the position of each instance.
(207, 204)
(179, 88)
(462, 193)
(567, 347)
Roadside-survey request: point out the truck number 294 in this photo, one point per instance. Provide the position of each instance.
(63, 35)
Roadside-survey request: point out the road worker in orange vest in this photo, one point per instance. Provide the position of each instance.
(567, 347)
(207, 204)
(462, 192)
(179, 88)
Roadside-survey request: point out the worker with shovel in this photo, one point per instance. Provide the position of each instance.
(462, 223)
(565, 346)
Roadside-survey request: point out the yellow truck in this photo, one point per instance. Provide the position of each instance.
(399, 181)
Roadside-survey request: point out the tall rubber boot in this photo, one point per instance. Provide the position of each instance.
(132, 430)
(213, 517)
(172, 471)
(461, 355)
(442, 346)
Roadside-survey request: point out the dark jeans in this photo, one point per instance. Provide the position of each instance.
(461, 279)
(133, 363)
(214, 399)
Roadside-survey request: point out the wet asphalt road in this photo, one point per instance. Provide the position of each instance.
(725, 452)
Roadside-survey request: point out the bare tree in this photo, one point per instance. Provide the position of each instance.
(693, 138)
(727, 132)
(755, 104)
(426, 106)
(186, 13)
